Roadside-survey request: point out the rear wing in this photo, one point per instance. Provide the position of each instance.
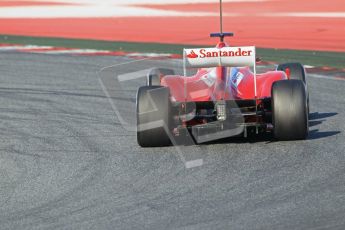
(220, 57)
(214, 57)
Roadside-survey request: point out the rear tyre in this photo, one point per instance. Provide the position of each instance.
(154, 76)
(289, 110)
(153, 116)
(297, 72)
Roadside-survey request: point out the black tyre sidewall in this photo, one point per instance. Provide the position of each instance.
(297, 71)
(289, 110)
(153, 105)
(153, 78)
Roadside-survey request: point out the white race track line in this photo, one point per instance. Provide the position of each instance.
(92, 11)
(99, 11)
(104, 8)
(22, 47)
(137, 2)
(116, 8)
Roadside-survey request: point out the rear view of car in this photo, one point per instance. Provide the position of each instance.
(226, 97)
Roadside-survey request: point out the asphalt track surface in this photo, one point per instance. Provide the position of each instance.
(67, 162)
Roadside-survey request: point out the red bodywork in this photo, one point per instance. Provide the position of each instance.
(218, 83)
(196, 88)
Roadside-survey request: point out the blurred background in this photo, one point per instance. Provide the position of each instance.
(308, 25)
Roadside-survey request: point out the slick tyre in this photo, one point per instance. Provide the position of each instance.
(153, 116)
(154, 76)
(297, 72)
(289, 110)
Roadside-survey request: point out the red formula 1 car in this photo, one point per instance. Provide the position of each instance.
(226, 97)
